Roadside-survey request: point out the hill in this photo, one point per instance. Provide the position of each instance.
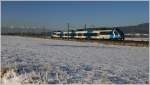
(140, 28)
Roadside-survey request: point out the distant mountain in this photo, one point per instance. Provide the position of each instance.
(141, 28)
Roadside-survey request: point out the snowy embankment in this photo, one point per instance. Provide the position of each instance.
(137, 39)
(38, 60)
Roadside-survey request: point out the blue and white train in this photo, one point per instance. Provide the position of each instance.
(109, 34)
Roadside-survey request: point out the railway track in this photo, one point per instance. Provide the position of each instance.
(113, 42)
(126, 43)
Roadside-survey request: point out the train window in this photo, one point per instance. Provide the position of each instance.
(94, 34)
(54, 33)
(65, 34)
(104, 33)
(85, 34)
(80, 34)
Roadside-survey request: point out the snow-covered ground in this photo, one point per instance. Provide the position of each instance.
(58, 61)
(138, 39)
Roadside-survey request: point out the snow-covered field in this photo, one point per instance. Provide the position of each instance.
(58, 61)
(137, 39)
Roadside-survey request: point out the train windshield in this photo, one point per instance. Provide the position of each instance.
(119, 33)
(116, 33)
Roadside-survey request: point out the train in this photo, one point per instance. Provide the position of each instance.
(101, 34)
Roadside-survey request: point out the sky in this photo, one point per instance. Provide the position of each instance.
(56, 14)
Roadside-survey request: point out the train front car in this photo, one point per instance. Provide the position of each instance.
(107, 34)
(117, 34)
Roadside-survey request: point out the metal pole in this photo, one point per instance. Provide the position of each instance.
(85, 27)
(68, 31)
(85, 30)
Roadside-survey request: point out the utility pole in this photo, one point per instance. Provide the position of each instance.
(85, 30)
(85, 27)
(68, 30)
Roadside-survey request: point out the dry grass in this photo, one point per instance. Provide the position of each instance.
(10, 76)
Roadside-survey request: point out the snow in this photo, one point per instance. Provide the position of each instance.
(59, 61)
(137, 39)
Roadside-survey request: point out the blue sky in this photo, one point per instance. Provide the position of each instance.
(57, 14)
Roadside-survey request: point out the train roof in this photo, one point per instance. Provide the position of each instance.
(100, 28)
(57, 31)
(81, 31)
(90, 29)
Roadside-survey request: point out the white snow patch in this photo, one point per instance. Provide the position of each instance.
(75, 62)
